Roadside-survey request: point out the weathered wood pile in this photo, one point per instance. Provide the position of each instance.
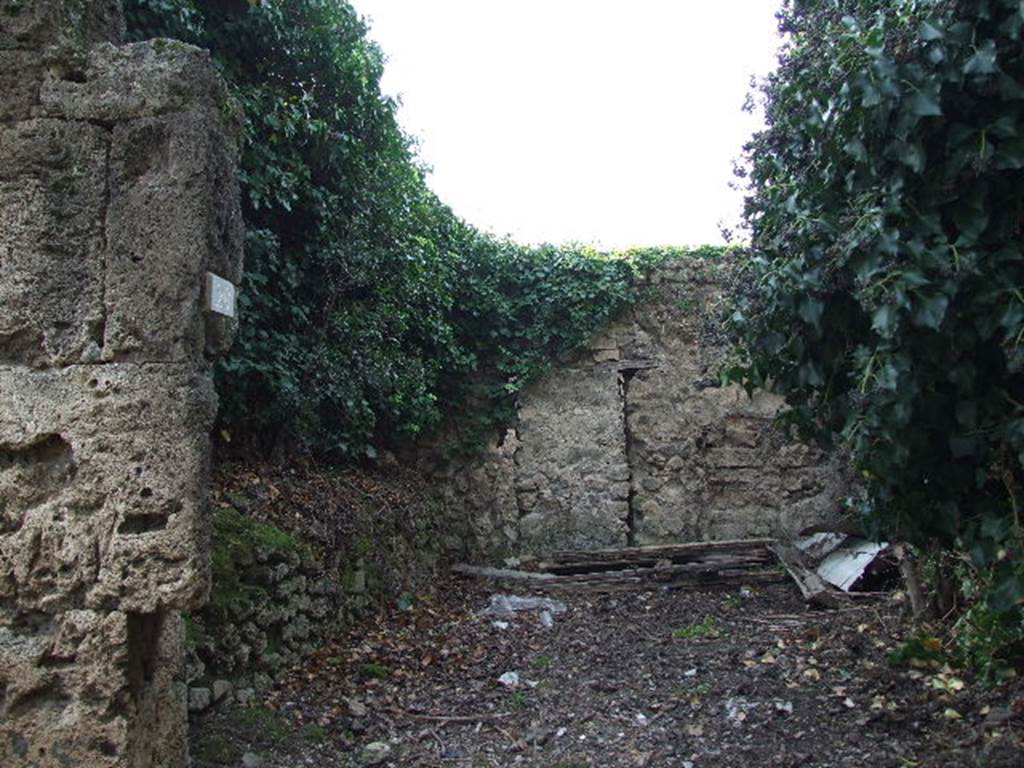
(697, 565)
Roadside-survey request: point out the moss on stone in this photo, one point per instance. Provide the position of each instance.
(217, 749)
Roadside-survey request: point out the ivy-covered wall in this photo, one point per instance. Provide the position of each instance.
(635, 440)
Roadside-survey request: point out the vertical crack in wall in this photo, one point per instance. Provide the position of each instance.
(521, 512)
(98, 328)
(626, 376)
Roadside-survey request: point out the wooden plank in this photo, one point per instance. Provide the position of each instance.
(681, 584)
(500, 574)
(812, 586)
(664, 572)
(723, 558)
(658, 551)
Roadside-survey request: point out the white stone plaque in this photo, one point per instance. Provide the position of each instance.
(220, 295)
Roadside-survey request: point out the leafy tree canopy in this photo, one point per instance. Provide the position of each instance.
(370, 311)
(886, 296)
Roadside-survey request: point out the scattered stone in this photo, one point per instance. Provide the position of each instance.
(500, 624)
(509, 679)
(374, 753)
(356, 708)
(784, 707)
(538, 734)
(251, 760)
(199, 699)
(221, 688)
(546, 619)
(245, 696)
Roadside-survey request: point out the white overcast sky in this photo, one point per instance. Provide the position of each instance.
(613, 122)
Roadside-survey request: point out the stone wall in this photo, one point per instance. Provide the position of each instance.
(634, 441)
(287, 576)
(117, 195)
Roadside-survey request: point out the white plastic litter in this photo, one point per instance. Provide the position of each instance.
(505, 605)
(509, 679)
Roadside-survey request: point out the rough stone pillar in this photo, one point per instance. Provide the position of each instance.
(117, 196)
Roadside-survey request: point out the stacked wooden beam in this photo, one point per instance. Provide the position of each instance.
(695, 565)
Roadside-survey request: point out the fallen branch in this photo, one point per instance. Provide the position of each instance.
(449, 718)
(502, 574)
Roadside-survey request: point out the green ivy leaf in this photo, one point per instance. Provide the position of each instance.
(924, 105)
(929, 32)
(983, 62)
(930, 311)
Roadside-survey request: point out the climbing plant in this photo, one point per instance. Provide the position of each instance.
(884, 298)
(370, 312)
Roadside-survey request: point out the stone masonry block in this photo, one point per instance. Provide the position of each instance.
(86, 688)
(102, 488)
(110, 84)
(66, 689)
(52, 200)
(35, 24)
(173, 216)
(21, 74)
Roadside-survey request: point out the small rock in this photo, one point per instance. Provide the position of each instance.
(509, 679)
(221, 688)
(374, 753)
(538, 734)
(546, 619)
(356, 708)
(244, 696)
(500, 624)
(199, 699)
(251, 760)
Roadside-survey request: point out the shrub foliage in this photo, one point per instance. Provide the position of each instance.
(369, 310)
(886, 296)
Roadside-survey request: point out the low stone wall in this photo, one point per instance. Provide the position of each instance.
(299, 555)
(117, 194)
(634, 441)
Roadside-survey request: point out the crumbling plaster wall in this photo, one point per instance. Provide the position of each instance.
(634, 441)
(117, 195)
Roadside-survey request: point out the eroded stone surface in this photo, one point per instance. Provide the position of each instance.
(36, 24)
(572, 478)
(21, 74)
(52, 205)
(114, 83)
(88, 688)
(117, 194)
(116, 522)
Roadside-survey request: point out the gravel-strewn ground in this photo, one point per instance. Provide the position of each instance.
(660, 679)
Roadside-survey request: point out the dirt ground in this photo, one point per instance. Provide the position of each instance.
(740, 677)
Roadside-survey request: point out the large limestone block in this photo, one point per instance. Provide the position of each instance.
(173, 216)
(65, 695)
(21, 73)
(35, 24)
(102, 487)
(95, 689)
(53, 194)
(111, 83)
